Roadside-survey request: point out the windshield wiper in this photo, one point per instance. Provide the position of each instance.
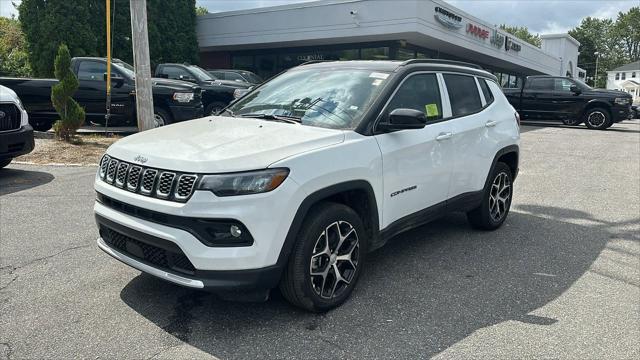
(283, 118)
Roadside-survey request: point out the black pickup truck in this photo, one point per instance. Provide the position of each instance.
(570, 101)
(173, 100)
(216, 93)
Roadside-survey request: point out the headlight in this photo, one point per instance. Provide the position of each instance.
(245, 183)
(183, 97)
(623, 101)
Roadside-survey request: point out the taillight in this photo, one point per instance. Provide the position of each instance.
(517, 118)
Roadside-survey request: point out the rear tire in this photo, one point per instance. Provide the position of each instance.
(327, 258)
(5, 162)
(571, 122)
(597, 119)
(496, 200)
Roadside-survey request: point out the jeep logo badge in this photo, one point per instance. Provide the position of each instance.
(141, 159)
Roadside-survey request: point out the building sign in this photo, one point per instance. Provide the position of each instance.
(510, 45)
(497, 39)
(477, 31)
(311, 57)
(448, 19)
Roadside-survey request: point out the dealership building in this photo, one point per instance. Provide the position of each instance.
(269, 40)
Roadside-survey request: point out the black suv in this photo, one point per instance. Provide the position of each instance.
(570, 101)
(216, 93)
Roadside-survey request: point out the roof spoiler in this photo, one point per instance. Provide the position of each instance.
(442, 61)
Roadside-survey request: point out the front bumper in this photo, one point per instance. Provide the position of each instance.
(16, 142)
(620, 113)
(146, 253)
(186, 112)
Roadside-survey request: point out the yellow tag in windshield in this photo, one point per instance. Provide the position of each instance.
(431, 109)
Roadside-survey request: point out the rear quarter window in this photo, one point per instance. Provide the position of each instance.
(463, 94)
(488, 95)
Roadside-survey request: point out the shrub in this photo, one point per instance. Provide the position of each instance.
(71, 114)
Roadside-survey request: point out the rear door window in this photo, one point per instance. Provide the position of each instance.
(419, 92)
(463, 94)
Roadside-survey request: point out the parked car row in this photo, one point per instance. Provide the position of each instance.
(180, 92)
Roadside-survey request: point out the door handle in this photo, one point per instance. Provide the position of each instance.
(444, 136)
(491, 123)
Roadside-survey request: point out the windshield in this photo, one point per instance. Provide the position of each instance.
(251, 77)
(328, 98)
(125, 68)
(200, 73)
(583, 85)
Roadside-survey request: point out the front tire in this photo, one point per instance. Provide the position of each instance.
(5, 162)
(214, 108)
(496, 200)
(327, 258)
(160, 117)
(597, 119)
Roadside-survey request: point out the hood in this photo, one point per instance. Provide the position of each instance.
(173, 84)
(217, 144)
(606, 92)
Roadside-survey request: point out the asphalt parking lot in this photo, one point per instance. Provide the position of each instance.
(560, 280)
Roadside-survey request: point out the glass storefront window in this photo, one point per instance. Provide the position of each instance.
(379, 53)
(405, 54)
(244, 62)
(504, 80)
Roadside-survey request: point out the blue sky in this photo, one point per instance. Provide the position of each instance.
(540, 16)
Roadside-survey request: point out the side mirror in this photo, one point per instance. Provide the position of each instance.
(575, 89)
(164, 76)
(116, 80)
(404, 119)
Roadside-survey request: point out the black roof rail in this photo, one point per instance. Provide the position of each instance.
(441, 61)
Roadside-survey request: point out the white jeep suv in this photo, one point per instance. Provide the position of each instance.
(294, 183)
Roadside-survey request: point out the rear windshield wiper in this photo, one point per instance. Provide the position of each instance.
(283, 118)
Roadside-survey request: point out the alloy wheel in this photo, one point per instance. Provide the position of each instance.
(334, 260)
(596, 118)
(499, 196)
(158, 120)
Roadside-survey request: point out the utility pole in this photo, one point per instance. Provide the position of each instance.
(142, 64)
(595, 82)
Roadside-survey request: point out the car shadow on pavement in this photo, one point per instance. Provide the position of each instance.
(14, 180)
(420, 294)
(527, 126)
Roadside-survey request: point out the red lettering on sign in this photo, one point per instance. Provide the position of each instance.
(477, 31)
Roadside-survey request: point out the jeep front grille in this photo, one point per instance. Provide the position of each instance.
(166, 185)
(10, 117)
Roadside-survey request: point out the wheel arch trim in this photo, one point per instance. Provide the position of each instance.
(318, 196)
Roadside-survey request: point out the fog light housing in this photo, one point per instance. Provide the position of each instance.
(226, 233)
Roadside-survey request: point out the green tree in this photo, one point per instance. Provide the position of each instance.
(595, 36)
(523, 33)
(13, 49)
(80, 24)
(201, 10)
(71, 113)
(626, 32)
